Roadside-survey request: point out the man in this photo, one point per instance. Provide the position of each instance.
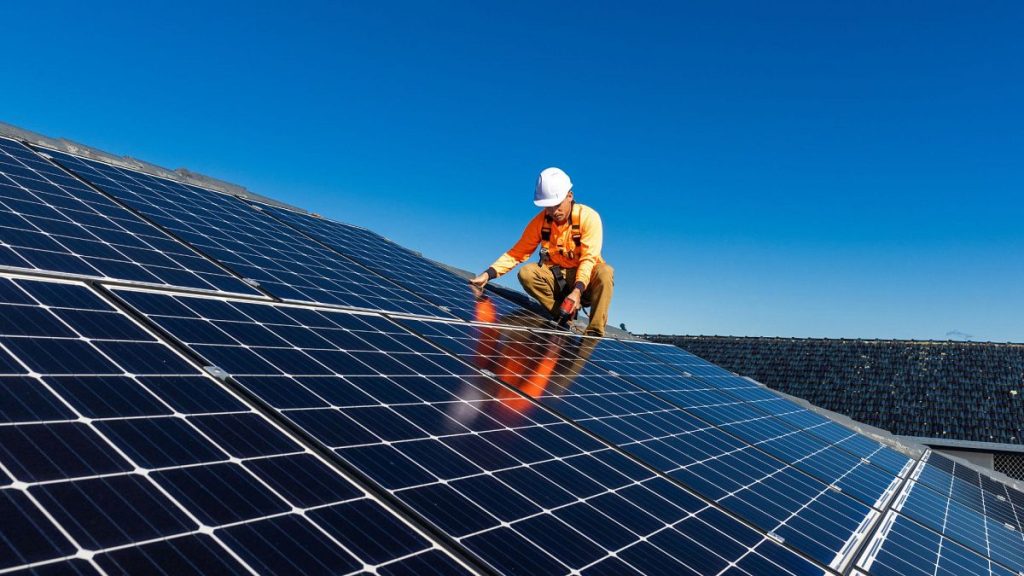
(571, 268)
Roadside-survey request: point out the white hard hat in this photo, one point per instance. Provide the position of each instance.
(553, 186)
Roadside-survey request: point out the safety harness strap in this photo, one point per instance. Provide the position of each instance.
(545, 233)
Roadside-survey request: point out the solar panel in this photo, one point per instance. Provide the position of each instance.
(117, 454)
(796, 434)
(564, 373)
(983, 494)
(525, 491)
(255, 246)
(411, 270)
(770, 402)
(52, 222)
(902, 547)
(986, 536)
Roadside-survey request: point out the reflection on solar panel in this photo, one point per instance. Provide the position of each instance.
(117, 454)
(50, 221)
(524, 490)
(408, 269)
(248, 242)
(568, 374)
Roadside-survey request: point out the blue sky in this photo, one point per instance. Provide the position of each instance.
(804, 169)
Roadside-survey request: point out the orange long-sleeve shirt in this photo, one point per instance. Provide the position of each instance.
(560, 244)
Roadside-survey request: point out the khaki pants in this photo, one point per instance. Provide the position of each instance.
(539, 282)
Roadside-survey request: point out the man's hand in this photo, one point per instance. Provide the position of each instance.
(574, 297)
(478, 284)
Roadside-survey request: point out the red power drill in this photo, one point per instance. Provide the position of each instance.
(568, 312)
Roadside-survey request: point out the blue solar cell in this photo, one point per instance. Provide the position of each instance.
(60, 450)
(111, 511)
(220, 494)
(50, 221)
(185, 555)
(30, 536)
(22, 399)
(252, 244)
(298, 547)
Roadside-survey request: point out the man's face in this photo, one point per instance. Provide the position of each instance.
(560, 212)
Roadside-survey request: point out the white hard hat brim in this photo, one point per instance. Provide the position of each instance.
(549, 202)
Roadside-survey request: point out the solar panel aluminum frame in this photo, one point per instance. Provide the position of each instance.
(87, 553)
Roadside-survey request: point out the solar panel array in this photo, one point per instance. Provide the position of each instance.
(253, 245)
(412, 271)
(50, 221)
(197, 383)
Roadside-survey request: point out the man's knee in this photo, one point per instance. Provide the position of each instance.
(528, 273)
(604, 274)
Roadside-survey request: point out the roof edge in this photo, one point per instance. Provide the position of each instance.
(940, 443)
(661, 337)
(183, 175)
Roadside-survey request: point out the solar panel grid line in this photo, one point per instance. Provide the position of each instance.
(675, 351)
(45, 483)
(823, 490)
(411, 270)
(51, 222)
(498, 476)
(254, 245)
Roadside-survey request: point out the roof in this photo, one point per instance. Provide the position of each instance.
(935, 390)
(189, 372)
